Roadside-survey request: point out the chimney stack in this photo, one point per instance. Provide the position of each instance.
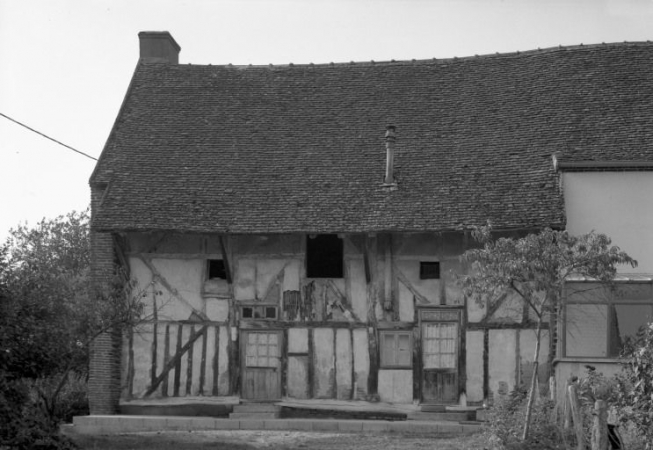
(390, 153)
(158, 46)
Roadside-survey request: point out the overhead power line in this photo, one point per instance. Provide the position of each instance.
(47, 137)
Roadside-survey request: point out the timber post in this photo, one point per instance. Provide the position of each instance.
(600, 427)
(572, 392)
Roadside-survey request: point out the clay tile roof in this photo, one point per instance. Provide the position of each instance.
(278, 149)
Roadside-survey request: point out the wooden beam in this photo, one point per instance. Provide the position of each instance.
(130, 365)
(177, 363)
(406, 282)
(203, 365)
(166, 359)
(257, 324)
(462, 354)
(234, 362)
(175, 293)
(366, 260)
(417, 364)
(215, 363)
(275, 280)
(494, 306)
(153, 352)
(486, 364)
(530, 325)
(342, 301)
(373, 375)
(352, 392)
(226, 259)
(189, 366)
(174, 360)
(440, 255)
(334, 379)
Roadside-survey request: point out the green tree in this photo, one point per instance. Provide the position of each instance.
(46, 318)
(534, 268)
(49, 316)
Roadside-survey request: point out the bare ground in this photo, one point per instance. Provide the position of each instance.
(254, 440)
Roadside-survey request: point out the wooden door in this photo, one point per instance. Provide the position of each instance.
(440, 347)
(261, 365)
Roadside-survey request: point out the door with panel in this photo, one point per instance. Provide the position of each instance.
(261, 364)
(440, 331)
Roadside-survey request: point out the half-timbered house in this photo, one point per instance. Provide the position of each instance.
(294, 231)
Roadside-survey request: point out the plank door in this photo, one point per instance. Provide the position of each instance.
(440, 347)
(261, 365)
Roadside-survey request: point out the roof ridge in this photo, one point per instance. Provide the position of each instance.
(530, 52)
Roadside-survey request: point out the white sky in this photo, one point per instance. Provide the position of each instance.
(65, 64)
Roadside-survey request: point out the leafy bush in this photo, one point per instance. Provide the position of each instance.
(23, 423)
(506, 420)
(635, 396)
(72, 399)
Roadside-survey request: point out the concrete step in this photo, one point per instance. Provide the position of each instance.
(254, 415)
(433, 408)
(446, 416)
(256, 408)
(131, 424)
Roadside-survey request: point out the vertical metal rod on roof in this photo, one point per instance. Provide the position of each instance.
(390, 154)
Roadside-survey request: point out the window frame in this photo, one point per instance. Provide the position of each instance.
(262, 307)
(610, 298)
(383, 364)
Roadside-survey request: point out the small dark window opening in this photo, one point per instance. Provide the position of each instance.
(429, 270)
(259, 312)
(248, 313)
(324, 256)
(216, 269)
(270, 312)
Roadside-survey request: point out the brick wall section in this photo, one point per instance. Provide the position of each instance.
(104, 367)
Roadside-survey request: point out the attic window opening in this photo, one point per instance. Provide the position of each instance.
(324, 256)
(216, 269)
(259, 312)
(429, 270)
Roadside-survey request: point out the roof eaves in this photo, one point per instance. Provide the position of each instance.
(603, 166)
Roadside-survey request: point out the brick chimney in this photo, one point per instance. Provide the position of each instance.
(158, 46)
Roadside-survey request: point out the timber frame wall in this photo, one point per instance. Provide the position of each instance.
(168, 348)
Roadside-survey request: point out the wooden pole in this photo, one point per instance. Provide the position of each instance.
(576, 417)
(566, 409)
(553, 389)
(600, 428)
